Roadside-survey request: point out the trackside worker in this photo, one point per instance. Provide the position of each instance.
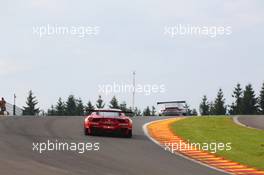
(3, 105)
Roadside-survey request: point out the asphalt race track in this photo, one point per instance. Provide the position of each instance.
(252, 121)
(117, 156)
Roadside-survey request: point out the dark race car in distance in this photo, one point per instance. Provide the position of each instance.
(108, 121)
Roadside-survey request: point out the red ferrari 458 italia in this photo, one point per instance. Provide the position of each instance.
(108, 121)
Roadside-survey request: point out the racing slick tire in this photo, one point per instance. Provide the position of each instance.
(129, 134)
(87, 132)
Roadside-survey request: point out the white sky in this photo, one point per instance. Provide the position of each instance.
(131, 38)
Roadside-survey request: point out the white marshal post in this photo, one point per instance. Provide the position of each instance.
(14, 106)
(134, 91)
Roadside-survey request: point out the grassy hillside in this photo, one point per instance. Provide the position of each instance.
(247, 144)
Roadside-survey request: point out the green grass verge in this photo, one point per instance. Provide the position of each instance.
(247, 144)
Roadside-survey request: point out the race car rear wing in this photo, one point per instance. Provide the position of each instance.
(167, 102)
(111, 110)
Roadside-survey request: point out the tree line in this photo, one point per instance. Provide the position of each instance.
(75, 107)
(245, 102)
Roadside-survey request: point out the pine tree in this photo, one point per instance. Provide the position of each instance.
(249, 101)
(211, 108)
(204, 106)
(71, 106)
(236, 107)
(123, 106)
(80, 108)
(194, 112)
(100, 102)
(60, 108)
(147, 111)
(153, 111)
(51, 111)
(137, 112)
(31, 103)
(188, 110)
(89, 108)
(231, 111)
(261, 100)
(219, 104)
(114, 103)
(130, 112)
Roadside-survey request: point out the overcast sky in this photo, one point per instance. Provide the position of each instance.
(131, 38)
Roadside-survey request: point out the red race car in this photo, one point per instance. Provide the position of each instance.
(108, 121)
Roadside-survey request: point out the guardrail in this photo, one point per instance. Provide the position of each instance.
(10, 110)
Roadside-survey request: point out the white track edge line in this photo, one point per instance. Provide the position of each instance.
(236, 121)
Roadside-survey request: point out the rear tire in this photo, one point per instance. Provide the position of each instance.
(87, 132)
(129, 134)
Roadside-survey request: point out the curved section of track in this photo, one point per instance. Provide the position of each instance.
(117, 156)
(252, 121)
